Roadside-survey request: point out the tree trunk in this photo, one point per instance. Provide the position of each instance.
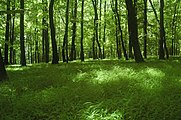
(45, 38)
(3, 73)
(161, 41)
(120, 30)
(7, 34)
(82, 33)
(173, 29)
(52, 28)
(12, 35)
(132, 18)
(65, 41)
(74, 28)
(104, 35)
(43, 32)
(95, 38)
(145, 29)
(46, 44)
(22, 46)
(117, 40)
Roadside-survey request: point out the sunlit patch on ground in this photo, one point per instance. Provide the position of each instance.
(18, 67)
(97, 112)
(147, 78)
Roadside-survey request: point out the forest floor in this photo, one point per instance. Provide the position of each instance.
(93, 90)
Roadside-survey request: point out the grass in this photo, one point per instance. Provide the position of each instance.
(93, 90)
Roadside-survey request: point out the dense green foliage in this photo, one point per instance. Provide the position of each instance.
(93, 90)
(34, 13)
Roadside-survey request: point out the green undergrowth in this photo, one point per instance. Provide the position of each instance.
(93, 90)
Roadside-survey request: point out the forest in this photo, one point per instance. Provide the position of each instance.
(90, 60)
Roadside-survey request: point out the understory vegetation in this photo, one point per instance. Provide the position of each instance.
(93, 90)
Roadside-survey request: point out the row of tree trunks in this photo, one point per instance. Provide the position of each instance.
(162, 50)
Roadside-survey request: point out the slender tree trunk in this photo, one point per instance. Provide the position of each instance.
(156, 16)
(46, 44)
(65, 41)
(145, 29)
(22, 46)
(45, 36)
(12, 35)
(100, 22)
(104, 36)
(74, 28)
(52, 28)
(82, 33)
(117, 40)
(3, 73)
(120, 30)
(132, 18)
(43, 32)
(7, 34)
(95, 38)
(173, 29)
(161, 41)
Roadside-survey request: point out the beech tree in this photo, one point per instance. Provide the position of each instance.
(22, 45)
(7, 34)
(82, 33)
(133, 28)
(52, 28)
(65, 39)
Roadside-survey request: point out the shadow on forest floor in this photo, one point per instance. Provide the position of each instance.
(98, 90)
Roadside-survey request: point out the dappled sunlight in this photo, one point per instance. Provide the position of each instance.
(148, 78)
(97, 112)
(151, 78)
(18, 67)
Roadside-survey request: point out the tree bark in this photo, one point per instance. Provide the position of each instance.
(120, 30)
(52, 28)
(161, 40)
(7, 34)
(173, 29)
(95, 38)
(65, 41)
(104, 34)
(145, 29)
(45, 37)
(82, 33)
(12, 35)
(132, 18)
(3, 73)
(74, 28)
(22, 46)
